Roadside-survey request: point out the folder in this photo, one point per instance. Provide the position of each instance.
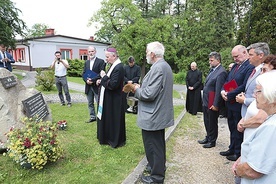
(230, 86)
(89, 74)
(211, 99)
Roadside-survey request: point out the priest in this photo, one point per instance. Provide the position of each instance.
(111, 115)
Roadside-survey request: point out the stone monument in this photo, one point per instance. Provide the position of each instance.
(16, 102)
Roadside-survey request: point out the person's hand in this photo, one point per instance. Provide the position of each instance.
(213, 108)
(128, 88)
(240, 98)
(102, 74)
(89, 81)
(129, 82)
(234, 166)
(191, 88)
(240, 127)
(224, 95)
(98, 82)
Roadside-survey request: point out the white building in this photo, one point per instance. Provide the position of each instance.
(38, 52)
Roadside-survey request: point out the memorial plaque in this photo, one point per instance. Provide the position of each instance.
(36, 106)
(8, 82)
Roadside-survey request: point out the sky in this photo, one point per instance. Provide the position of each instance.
(67, 17)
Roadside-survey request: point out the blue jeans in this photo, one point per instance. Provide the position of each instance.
(91, 95)
(61, 82)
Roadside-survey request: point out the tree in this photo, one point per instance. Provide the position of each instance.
(37, 30)
(10, 24)
(259, 24)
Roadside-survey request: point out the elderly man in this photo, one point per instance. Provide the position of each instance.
(194, 85)
(155, 110)
(234, 85)
(111, 115)
(91, 89)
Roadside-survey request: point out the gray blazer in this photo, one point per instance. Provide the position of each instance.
(155, 105)
(249, 92)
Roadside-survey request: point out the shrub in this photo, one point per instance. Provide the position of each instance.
(180, 78)
(35, 144)
(45, 80)
(76, 67)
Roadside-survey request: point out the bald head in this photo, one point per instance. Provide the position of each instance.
(239, 54)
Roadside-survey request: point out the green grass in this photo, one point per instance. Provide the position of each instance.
(78, 80)
(85, 161)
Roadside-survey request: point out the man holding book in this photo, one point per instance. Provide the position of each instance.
(234, 85)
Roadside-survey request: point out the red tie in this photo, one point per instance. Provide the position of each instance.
(236, 69)
(253, 72)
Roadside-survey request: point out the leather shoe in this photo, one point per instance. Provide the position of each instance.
(150, 180)
(91, 120)
(209, 145)
(226, 153)
(204, 141)
(232, 157)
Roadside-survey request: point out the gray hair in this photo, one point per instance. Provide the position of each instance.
(259, 48)
(268, 85)
(216, 55)
(157, 48)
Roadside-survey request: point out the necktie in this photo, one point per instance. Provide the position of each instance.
(210, 72)
(236, 69)
(253, 72)
(4, 56)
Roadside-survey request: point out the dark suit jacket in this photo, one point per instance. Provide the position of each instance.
(241, 76)
(8, 64)
(99, 65)
(214, 83)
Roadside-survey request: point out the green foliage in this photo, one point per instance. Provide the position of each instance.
(179, 78)
(35, 144)
(259, 24)
(37, 30)
(76, 67)
(45, 80)
(10, 24)
(85, 160)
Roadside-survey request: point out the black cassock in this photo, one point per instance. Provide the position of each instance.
(193, 98)
(111, 128)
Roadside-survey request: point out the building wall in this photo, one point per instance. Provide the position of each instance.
(40, 52)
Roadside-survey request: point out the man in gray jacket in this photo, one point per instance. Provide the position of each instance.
(155, 111)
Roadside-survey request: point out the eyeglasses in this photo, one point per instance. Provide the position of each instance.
(256, 91)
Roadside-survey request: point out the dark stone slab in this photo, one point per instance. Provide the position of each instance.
(8, 82)
(36, 106)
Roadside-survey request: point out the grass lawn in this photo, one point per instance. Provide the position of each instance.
(85, 161)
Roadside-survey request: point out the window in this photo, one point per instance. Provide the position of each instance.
(20, 55)
(66, 53)
(83, 54)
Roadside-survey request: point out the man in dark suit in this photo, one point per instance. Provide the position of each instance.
(240, 73)
(212, 100)
(5, 58)
(91, 89)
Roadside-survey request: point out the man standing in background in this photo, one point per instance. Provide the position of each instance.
(5, 58)
(91, 89)
(61, 66)
(194, 85)
(132, 76)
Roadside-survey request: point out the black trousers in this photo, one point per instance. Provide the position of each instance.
(210, 118)
(155, 148)
(236, 137)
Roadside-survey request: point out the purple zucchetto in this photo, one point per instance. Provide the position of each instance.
(111, 50)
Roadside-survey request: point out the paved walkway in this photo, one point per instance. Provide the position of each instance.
(29, 81)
